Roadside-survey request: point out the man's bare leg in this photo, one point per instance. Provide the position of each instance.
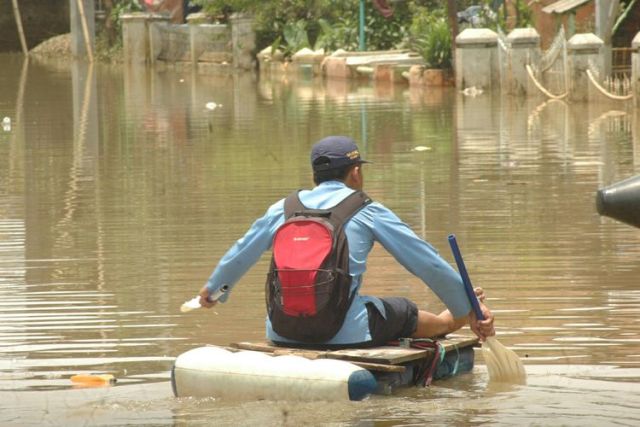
(432, 325)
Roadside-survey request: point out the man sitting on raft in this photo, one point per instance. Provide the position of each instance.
(366, 320)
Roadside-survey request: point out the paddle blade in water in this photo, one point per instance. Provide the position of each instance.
(503, 364)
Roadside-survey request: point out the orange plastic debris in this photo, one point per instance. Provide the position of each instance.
(93, 380)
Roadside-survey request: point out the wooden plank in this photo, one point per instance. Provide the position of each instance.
(389, 355)
(459, 341)
(384, 355)
(269, 347)
(311, 354)
(314, 355)
(394, 355)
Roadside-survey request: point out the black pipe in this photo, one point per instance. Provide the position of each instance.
(621, 201)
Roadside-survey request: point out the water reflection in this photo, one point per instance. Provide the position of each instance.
(56, 301)
(120, 189)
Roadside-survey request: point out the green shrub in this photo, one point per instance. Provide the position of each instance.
(294, 37)
(431, 37)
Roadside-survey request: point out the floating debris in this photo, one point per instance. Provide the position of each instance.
(421, 148)
(212, 106)
(472, 91)
(6, 124)
(93, 380)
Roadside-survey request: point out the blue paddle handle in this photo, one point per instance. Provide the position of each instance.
(468, 287)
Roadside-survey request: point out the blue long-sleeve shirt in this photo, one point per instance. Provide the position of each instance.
(373, 223)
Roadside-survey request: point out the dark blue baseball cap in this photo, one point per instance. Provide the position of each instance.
(335, 152)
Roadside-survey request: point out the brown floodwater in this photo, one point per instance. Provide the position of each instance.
(121, 187)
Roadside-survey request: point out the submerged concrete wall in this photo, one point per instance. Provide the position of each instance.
(138, 34)
(477, 59)
(484, 61)
(243, 41)
(585, 52)
(210, 43)
(150, 38)
(524, 44)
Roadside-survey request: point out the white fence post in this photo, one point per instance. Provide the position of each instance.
(584, 53)
(524, 45)
(243, 39)
(138, 43)
(477, 59)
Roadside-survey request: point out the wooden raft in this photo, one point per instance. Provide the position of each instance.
(382, 359)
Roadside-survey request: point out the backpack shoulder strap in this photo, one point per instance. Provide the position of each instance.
(338, 215)
(292, 204)
(348, 207)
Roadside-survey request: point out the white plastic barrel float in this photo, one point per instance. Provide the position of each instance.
(217, 372)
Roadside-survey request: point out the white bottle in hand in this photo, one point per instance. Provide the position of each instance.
(194, 303)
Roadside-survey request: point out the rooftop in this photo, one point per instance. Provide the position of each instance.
(563, 6)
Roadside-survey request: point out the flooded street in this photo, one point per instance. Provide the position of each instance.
(120, 188)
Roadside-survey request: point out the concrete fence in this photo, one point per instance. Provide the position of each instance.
(486, 61)
(525, 49)
(585, 52)
(150, 38)
(477, 59)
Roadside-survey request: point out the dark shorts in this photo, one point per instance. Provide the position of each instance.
(401, 321)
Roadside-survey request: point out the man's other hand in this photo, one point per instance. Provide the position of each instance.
(204, 298)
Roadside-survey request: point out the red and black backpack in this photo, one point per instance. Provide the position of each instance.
(308, 285)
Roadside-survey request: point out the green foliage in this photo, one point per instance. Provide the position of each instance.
(342, 34)
(120, 7)
(421, 25)
(524, 17)
(295, 34)
(431, 37)
(224, 8)
(388, 33)
(109, 39)
(329, 24)
(334, 24)
(494, 15)
(295, 38)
